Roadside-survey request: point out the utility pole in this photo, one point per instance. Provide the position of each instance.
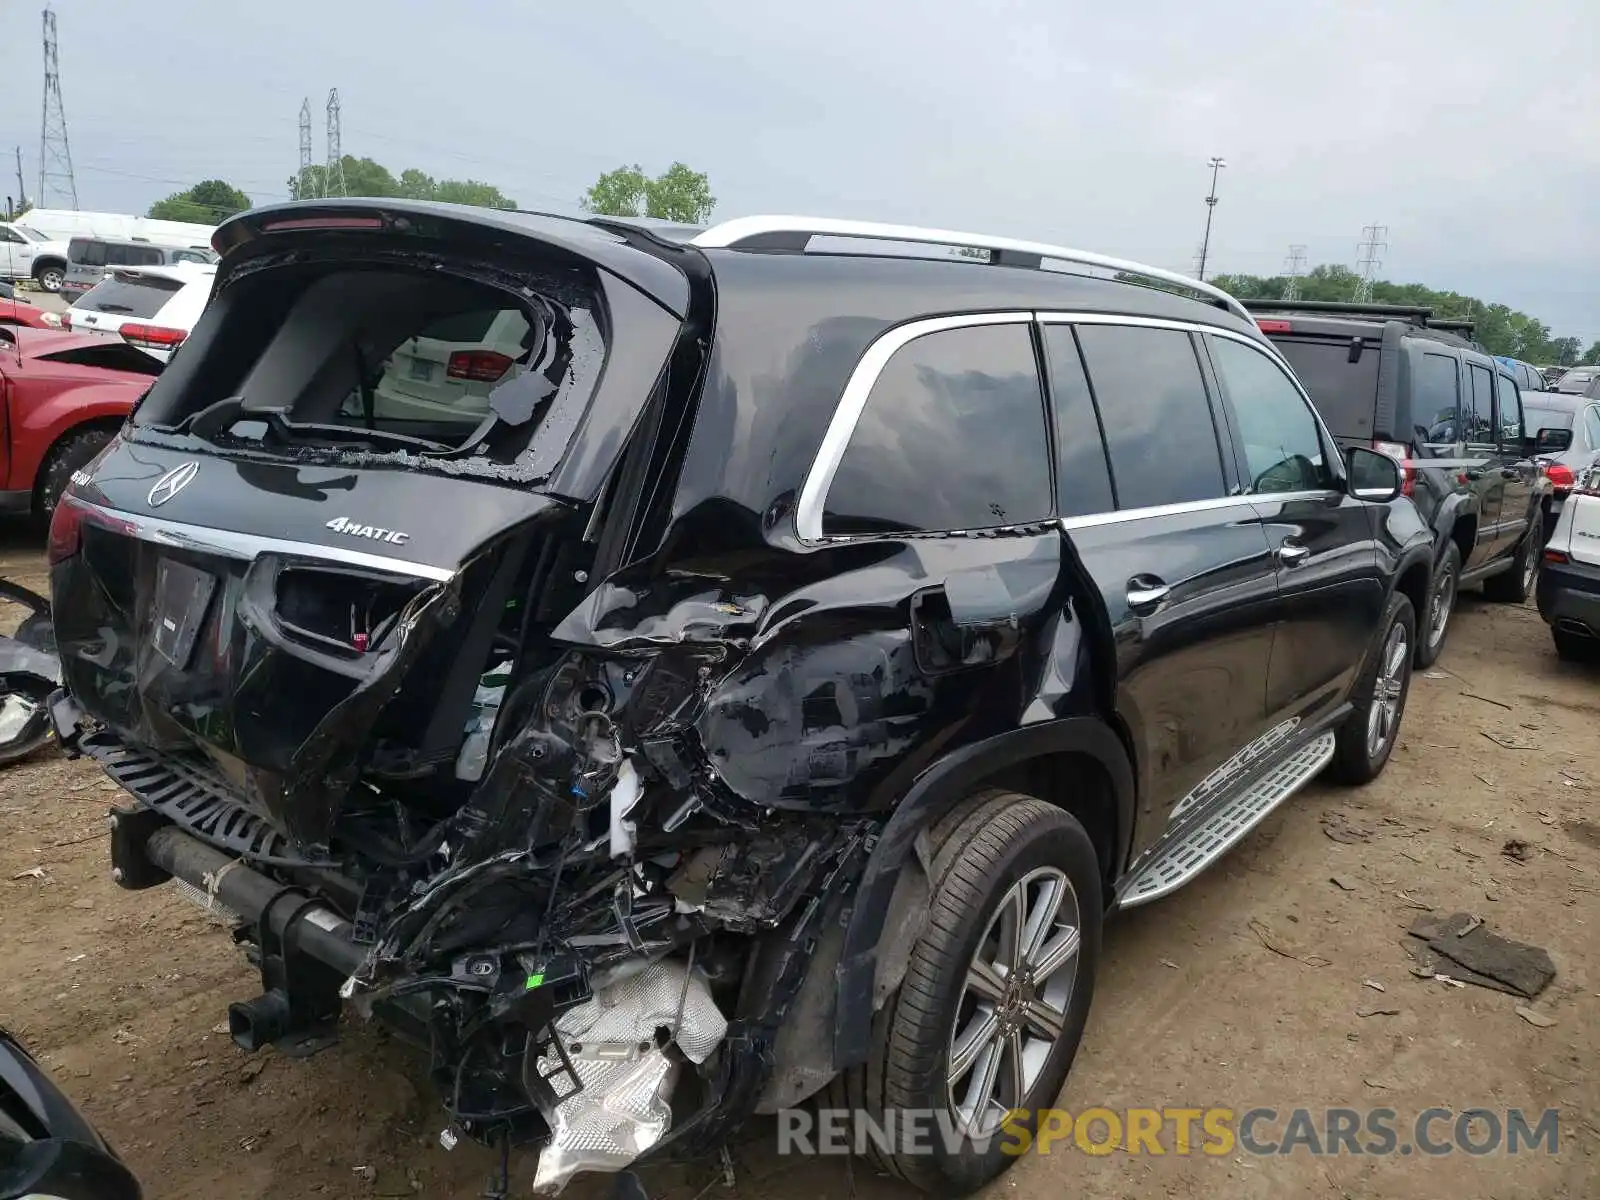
(306, 188)
(22, 190)
(333, 183)
(55, 155)
(1216, 164)
(1293, 268)
(1373, 243)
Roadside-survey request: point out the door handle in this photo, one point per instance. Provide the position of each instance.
(1146, 592)
(1292, 554)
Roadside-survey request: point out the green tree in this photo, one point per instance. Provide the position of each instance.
(1565, 350)
(1591, 356)
(364, 177)
(207, 203)
(471, 191)
(679, 194)
(619, 193)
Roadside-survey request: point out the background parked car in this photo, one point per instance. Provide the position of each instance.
(153, 308)
(20, 312)
(29, 254)
(1389, 378)
(1576, 380)
(1529, 378)
(66, 394)
(1569, 578)
(89, 260)
(1553, 417)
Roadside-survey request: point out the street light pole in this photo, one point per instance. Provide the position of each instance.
(1216, 164)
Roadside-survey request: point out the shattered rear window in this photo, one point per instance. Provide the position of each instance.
(375, 363)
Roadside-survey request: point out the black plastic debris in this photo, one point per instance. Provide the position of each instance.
(1462, 947)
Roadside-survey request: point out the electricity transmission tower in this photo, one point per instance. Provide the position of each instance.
(333, 181)
(1373, 243)
(307, 188)
(55, 156)
(1293, 268)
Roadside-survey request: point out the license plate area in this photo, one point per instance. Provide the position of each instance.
(421, 370)
(183, 594)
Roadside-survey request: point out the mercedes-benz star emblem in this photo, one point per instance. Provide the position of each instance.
(173, 482)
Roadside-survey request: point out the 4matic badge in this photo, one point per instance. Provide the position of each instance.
(355, 529)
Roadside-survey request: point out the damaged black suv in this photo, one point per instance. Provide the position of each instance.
(675, 674)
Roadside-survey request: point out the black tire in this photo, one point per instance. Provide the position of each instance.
(1574, 647)
(70, 454)
(1444, 589)
(1355, 759)
(1516, 585)
(992, 843)
(49, 276)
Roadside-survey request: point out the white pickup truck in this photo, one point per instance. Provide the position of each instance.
(29, 254)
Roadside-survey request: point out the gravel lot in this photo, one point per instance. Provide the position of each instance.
(1245, 989)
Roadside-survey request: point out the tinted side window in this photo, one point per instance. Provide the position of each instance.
(1480, 420)
(1510, 409)
(1159, 429)
(1282, 448)
(1438, 398)
(7, 235)
(145, 256)
(1083, 479)
(1591, 424)
(952, 437)
(93, 254)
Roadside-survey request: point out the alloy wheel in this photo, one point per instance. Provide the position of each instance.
(50, 280)
(1388, 690)
(1013, 1004)
(1443, 604)
(1530, 568)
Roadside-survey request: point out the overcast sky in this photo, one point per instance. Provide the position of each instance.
(1470, 129)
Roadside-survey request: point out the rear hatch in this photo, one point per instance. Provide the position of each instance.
(123, 296)
(301, 555)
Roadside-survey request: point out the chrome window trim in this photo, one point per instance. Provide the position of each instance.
(853, 400)
(250, 546)
(1094, 520)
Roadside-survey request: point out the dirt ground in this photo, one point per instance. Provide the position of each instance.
(1246, 989)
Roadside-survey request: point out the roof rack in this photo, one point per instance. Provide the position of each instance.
(795, 233)
(1417, 314)
(1461, 325)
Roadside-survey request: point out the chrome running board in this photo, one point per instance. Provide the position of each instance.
(1176, 864)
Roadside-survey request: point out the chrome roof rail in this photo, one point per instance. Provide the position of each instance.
(793, 233)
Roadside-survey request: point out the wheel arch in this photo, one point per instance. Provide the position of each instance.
(1077, 763)
(106, 424)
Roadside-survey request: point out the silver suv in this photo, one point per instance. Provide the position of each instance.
(90, 259)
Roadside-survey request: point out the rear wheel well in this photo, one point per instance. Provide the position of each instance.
(1413, 585)
(1465, 535)
(101, 425)
(1078, 784)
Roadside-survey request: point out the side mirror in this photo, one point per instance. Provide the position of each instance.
(1552, 441)
(1373, 476)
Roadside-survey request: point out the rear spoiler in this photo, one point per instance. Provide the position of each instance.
(649, 265)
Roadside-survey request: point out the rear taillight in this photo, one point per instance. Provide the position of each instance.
(152, 337)
(480, 366)
(1556, 556)
(1560, 476)
(1401, 453)
(66, 530)
(1266, 325)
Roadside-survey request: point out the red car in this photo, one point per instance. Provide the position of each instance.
(17, 312)
(64, 396)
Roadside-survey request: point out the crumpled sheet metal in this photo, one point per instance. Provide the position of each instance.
(623, 1108)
